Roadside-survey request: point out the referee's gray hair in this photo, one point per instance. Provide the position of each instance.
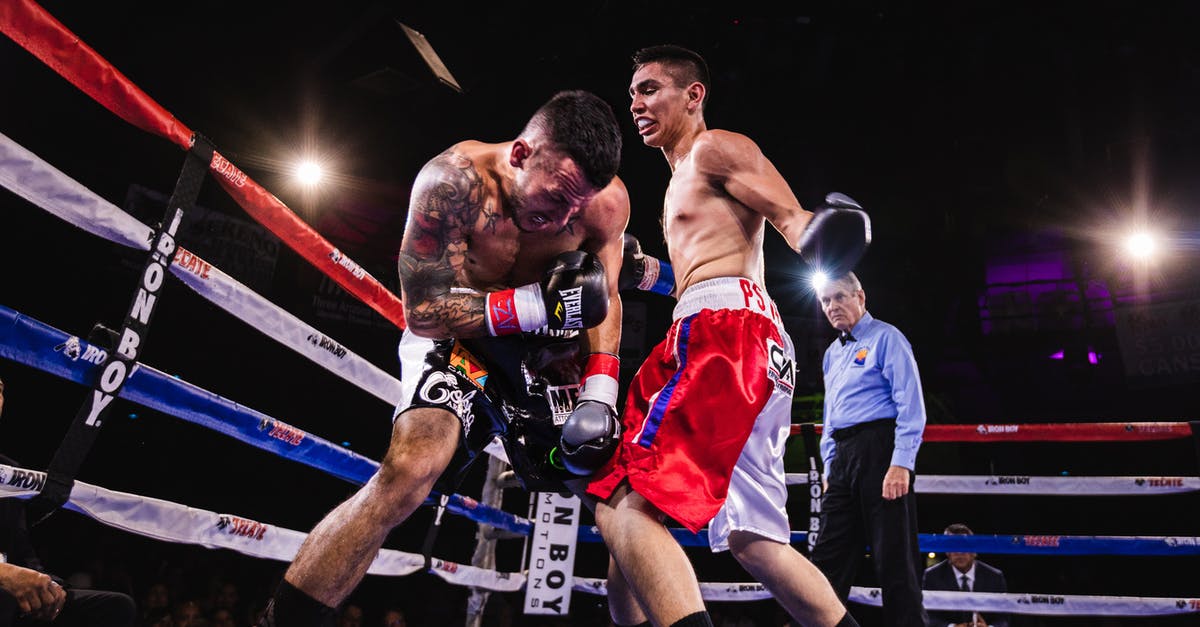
(848, 280)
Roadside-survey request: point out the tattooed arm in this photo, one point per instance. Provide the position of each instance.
(446, 200)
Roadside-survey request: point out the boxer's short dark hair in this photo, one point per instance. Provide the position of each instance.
(582, 125)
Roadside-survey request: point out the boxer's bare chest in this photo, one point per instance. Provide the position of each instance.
(683, 201)
(695, 212)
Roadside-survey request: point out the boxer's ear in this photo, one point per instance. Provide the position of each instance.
(696, 93)
(519, 152)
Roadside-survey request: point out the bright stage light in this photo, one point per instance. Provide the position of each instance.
(309, 173)
(818, 280)
(1141, 246)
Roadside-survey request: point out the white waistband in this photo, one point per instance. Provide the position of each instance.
(729, 292)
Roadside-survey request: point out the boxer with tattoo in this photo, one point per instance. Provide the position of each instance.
(508, 272)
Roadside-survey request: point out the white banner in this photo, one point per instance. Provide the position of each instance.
(1029, 485)
(1160, 343)
(552, 554)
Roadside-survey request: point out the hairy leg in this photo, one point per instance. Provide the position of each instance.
(335, 556)
(655, 566)
(623, 606)
(798, 586)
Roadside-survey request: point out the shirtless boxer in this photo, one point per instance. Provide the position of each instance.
(709, 410)
(508, 270)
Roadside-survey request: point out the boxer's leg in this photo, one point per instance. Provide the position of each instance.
(657, 569)
(623, 606)
(794, 582)
(335, 556)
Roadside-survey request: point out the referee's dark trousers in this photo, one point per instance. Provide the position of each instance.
(855, 514)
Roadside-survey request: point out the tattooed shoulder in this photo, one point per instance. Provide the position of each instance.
(449, 190)
(447, 199)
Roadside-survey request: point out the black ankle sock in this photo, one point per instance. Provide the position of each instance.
(291, 607)
(699, 619)
(847, 621)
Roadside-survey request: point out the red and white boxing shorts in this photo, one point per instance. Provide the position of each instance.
(708, 414)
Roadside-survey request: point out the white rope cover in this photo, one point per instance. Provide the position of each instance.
(1043, 604)
(1012, 603)
(1052, 485)
(172, 522)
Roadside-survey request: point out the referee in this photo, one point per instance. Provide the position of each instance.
(874, 416)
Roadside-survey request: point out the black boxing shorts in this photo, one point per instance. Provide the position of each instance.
(517, 388)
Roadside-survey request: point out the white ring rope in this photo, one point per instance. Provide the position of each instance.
(1050, 485)
(31, 178)
(172, 522)
(1043, 604)
(1012, 602)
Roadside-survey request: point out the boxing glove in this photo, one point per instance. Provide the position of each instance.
(591, 433)
(573, 294)
(837, 237)
(643, 272)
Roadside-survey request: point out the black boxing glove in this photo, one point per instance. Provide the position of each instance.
(589, 437)
(643, 272)
(837, 237)
(573, 294)
(591, 433)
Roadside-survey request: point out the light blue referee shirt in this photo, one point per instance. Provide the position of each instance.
(871, 377)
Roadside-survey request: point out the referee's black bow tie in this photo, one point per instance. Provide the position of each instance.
(846, 337)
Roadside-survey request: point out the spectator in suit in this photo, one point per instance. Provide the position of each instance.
(961, 571)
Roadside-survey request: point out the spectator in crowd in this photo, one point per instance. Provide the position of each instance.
(155, 602)
(222, 617)
(28, 594)
(350, 615)
(961, 571)
(393, 617)
(187, 614)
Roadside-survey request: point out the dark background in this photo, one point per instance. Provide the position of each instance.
(988, 142)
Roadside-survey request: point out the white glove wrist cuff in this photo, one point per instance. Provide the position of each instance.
(531, 309)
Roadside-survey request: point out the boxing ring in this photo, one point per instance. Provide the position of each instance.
(69, 356)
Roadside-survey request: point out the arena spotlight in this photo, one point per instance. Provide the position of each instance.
(309, 173)
(818, 280)
(1142, 245)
